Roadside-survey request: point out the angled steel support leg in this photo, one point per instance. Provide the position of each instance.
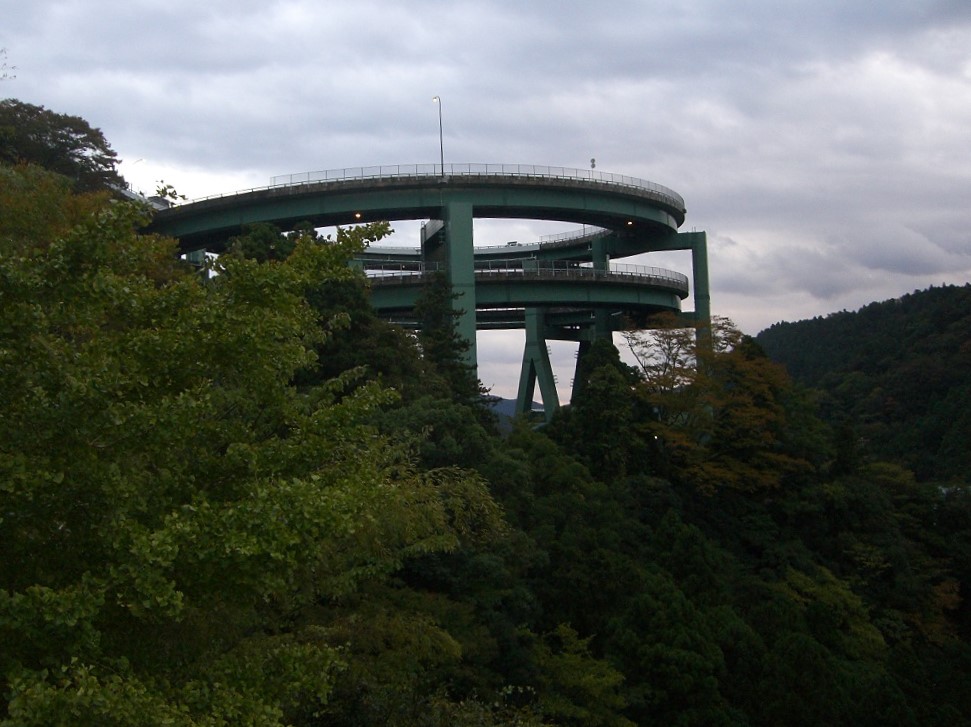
(536, 367)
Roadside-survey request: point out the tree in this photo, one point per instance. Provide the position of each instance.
(896, 373)
(664, 643)
(597, 424)
(60, 143)
(578, 689)
(38, 207)
(441, 343)
(718, 414)
(357, 338)
(177, 516)
(600, 353)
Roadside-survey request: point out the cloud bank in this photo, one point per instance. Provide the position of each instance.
(823, 145)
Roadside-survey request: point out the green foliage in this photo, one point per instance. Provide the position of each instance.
(599, 422)
(895, 374)
(577, 688)
(262, 241)
(357, 337)
(168, 513)
(38, 207)
(595, 356)
(442, 345)
(214, 510)
(60, 143)
(717, 415)
(663, 639)
(443, 431)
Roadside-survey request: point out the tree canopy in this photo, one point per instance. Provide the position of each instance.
(895, 375)
(60, 143)
(239, 497)
(169, 515)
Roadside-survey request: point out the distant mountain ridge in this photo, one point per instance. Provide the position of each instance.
(897, 373)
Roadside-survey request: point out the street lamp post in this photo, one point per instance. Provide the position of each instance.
(441, 141)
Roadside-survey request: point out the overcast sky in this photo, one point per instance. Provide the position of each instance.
(824, 145)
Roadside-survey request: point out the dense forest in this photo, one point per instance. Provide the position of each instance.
(238, 497)
(895, 375)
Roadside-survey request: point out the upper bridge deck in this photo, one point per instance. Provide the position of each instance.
(637, 212)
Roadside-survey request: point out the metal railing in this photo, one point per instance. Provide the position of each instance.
(409, 272)
(395, 171)
(559, 239)
(569, 235)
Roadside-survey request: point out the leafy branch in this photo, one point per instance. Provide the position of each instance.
(6, 70)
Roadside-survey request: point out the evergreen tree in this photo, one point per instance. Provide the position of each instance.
(895, 373)
(442, 345)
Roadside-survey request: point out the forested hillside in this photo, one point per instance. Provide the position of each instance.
(240, 498)
(896, 376)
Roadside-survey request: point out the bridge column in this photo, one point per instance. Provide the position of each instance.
(460, 264)
(583, 349)
(599, 328)
(536, 366)
(432, 242)
(601, 261)
(702, 294)
(598, 252)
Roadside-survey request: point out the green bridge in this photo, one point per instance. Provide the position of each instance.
(567, 287)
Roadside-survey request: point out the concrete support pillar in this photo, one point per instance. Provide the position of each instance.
(601, 324)
(536, 367)
(598, 251)
(702, 294)
(432, 243)
(197, 258)
(460, 265)
(601, 317)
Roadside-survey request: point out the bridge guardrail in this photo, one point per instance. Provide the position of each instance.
(390, 273)
(477, 169)
(393, 171)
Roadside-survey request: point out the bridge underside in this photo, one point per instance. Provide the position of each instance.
(577, 304)
(569, 289)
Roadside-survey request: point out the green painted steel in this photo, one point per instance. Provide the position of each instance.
(612, 292)
(536, 367)
(460, 254)
(209, 223)
(565, 287)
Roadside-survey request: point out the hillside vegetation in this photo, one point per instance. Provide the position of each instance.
(240, 498)
(896, 376)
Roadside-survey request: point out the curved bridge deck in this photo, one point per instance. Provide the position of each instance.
(436, 171)
(395, 273)
(641, 209)
(570, 282)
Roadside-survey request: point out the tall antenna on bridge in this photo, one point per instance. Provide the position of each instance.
(441, 141)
